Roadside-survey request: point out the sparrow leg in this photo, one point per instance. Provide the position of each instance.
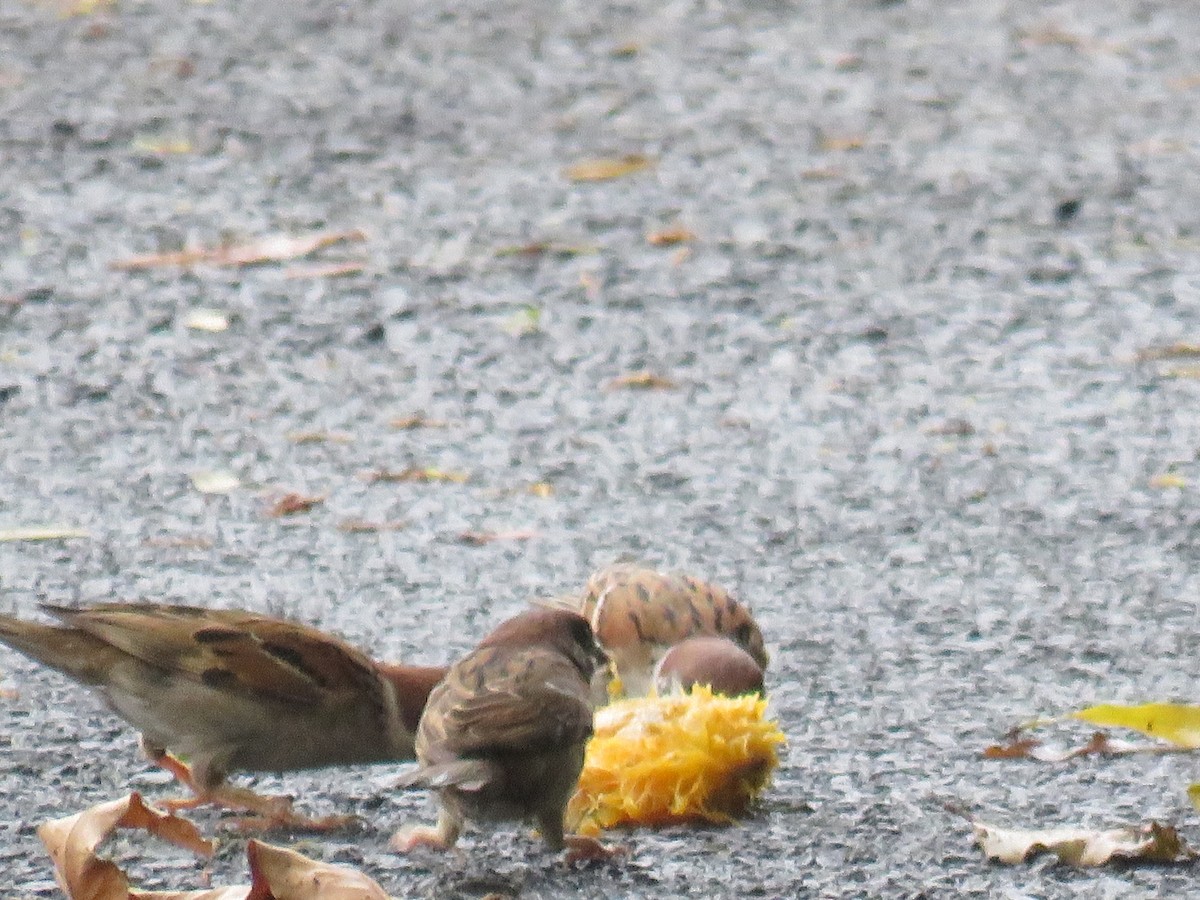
(442, 836)
(180, 770)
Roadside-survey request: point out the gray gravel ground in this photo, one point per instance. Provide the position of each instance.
(910, 429)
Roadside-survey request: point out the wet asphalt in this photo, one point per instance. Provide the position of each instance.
(909, 425)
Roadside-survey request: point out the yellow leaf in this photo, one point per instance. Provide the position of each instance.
(608, 169)
(1168, 480)
(542, 489)
(1177, 723)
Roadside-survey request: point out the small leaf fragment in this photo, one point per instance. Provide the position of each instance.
(526, 320)
(210, 320)
(542, 489)
(642, 380)
(273, 248)
(482, 538)
(320, 437)
(666, 237)
(1168, 480)
(324, 270)
(1084, 847)
(408, 423)
(1177, 723)
(362, 526)
(417, 474)
(216, 481)
(608, 168)
(42, 533)
(291, 504)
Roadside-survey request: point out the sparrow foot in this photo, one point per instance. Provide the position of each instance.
(588, 849)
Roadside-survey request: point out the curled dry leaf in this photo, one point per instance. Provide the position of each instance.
(275, 248)
(216, 481)
(643, 380)
(608, 169)
(276, 873)
(1150, 843)
(72, 842)
(291, 504)
(41, 533)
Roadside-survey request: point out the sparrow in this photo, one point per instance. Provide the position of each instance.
(638, 614)
(716, 662)
(502, 737)
(233, 691)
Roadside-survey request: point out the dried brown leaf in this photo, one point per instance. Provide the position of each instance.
(952, 428)
(546, 248)
(318, 437)
(481, 538)
(608, 169)
(1020, 746)
(1084, 847)
(274, 248)
(282, 874)
(643, 380)
(291, 504)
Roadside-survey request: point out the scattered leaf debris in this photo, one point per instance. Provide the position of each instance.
(274, 248)
(481, 538)
(643, 380)
(1022, 746)
(216, 481)
(291, 504)
(42, 533)
(606, 169)
(1168, 480)
(416, 474)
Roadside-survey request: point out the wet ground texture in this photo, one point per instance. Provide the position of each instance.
(910, 426)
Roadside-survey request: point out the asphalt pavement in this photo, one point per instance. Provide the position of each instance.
(904, 407)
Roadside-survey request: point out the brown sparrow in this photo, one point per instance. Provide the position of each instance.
(233, 691)
(638, 614)
(714, 661)
(503, 736)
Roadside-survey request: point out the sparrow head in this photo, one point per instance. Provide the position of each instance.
(567, 632)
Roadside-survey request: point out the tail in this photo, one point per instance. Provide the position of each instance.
(69, 650)
(464, 774)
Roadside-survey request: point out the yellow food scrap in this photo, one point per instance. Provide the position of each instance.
(694, 757)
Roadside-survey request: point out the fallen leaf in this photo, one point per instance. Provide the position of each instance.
(42, 533)
(1085, 847)
(362, 526)
(1020, 746)
(417, 474)
(608, 169)
(275, 248)
(184, 542)
(72, 841)
(1168, 480)
(1182, 372)
(291, 504)
(319, 437)
(215, 482)
(1177, 723)
(407, 423)
(835, 143)
(643, 380)
(324, 270)
(480, 538)
(276, 873)
(158, 146)
(542, 489)
(666, 237)
(210, 320)
(952, 428)
(546, 248)
(282, 874)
